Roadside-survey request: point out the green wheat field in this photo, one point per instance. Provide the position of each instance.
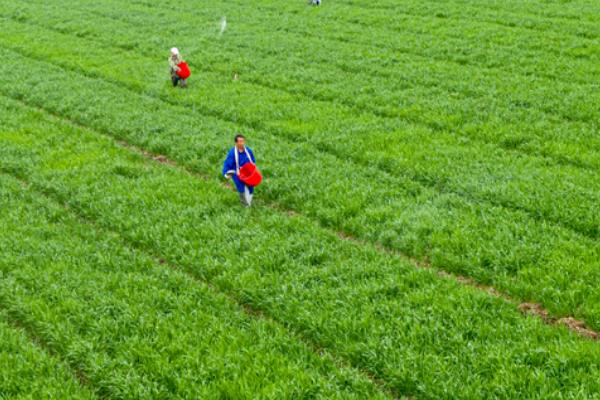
(428, 226)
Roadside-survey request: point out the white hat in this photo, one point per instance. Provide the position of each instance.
(174, 50)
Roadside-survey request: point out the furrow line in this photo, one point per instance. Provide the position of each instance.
(388, 76)
(526, 308)
(466, 18)
(548, 16)
(340, 39)
(257, 126)
(77, 373)
(357, 107)
(367, 110)
(250, 310)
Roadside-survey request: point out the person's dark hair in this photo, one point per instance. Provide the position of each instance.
(239, 136)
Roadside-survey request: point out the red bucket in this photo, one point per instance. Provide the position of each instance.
(250, 175)
(184, 70)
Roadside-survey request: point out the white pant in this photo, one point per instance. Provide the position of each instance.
(246, 197)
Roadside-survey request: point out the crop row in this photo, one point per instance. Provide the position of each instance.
(136, 328)
(528, 258)
(505, 179)
(345, 22)
(372, 69)
(454, 165)
(381, 80)
(454, 42)
(487, 16)
(311, 120)
(554, 56)
(419, 333)
(558, 13)
(26, 370)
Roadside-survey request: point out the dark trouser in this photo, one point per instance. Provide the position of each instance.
(176, 79)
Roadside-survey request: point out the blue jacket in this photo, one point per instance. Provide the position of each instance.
(229, 167)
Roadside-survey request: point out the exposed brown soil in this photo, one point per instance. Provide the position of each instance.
(161, 159)
(535, 310)
(573, 324)
(579, 327)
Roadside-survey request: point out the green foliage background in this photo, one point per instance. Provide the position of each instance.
(460, 133)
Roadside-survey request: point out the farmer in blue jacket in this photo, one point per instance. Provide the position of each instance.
(231, 167)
